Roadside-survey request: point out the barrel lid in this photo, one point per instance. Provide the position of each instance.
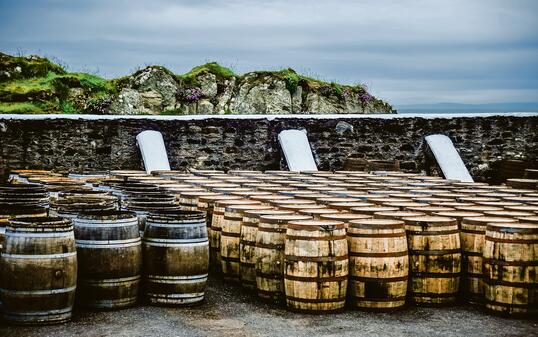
(318, 211)
(432, 209)
(344, 216)
(398, 214)
(283, 218)
(372, 209)
(529, 219)
(21, 210)
(210, 198)
(316, 225)
(194, 194)
(271, 197)
(515, 190)
(349, 205)
(499, 203)
(296, 208)
(250, 193)
(175, 215)
(222, 185)
(256, 213)
(328, 200)
(509, 214)
(243, 208)
(525, 228)
(430, 220)
(384, 200)
(459, 214)
(523, 199)
(224, 203)
(484, 220)
(376, 223)
(106, 215)
(526, 208)
(293, 201)
(40, 222)
(478, 208)
(21, 187)
(405, 204)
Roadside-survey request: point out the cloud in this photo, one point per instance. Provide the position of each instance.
(407, 51)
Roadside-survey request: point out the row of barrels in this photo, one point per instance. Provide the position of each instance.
(239, 248)
(98, 260)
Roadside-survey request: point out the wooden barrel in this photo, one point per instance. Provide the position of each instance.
(316, 266)
(269, 254)
(39, 265)
(529, 219)
(347, 206)
(206, 204)
(435, 259)
(9, 212)
(176, 257)
(230, 239)
(188, 201)
(109, 252)
(378, 264)
(397, 215)
(511, 268)
(316, 213)
(372, 209)
(344, 217)
(472, 233)
(247, 243)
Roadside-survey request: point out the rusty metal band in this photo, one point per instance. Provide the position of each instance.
(249, 224)
(247, 242)
(379, 299)
(247, 264)
(316, 227)
(316, 278)
(272, 230)
(523, 241)
(380, 227)
(391, 254)
(510, 263)
(315, 300)
(316, 238)
(473, 231)
(388, 235)
(270, 245)
(269, 276)
(229, 259)
(216, 229)
(465, 253)
(435, 252)
(473, 275)
(233, 218)
(215, 212)
(316, 258)
(434, 275)
(378, 279)
(447, 232)
(230, 234)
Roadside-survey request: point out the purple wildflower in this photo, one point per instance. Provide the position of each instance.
(190, 95)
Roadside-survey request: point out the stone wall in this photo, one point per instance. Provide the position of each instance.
(79, 144)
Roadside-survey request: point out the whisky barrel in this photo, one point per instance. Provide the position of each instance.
(39, 265)
(371, 210)
(511, 268)
(230, 239)
(316, 213)
(109, 252)
(247, 243)
(217, 204)
(435, 259)
(344, 217)
(188, 201)
(347, 206)
(378, 264)
(528, 219)
(23, 195)
(176, 257)
(397, 215)
(472, 232)
(8, 212)
(316, 266)
(269, 253)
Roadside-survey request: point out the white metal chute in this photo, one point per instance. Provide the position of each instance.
(297, 151)
(448, 158)
(151, 144)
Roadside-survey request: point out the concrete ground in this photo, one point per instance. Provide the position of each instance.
(229, 311)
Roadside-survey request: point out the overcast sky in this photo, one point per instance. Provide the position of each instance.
(421, 51)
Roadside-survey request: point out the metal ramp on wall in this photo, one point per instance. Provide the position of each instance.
(448, 158)
(151, 144)
(297, 151)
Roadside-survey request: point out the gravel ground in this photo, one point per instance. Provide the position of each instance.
(229, 311)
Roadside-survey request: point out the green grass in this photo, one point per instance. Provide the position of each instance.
(222, 73)
(24, 108)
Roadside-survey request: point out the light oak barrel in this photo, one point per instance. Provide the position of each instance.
(378, 264)
(511, 269)
(269, 254)
(230, 239)
(434, 258)
(176, 257)
(109, 252)
(247, 243)
(39, 265)
(316, 266)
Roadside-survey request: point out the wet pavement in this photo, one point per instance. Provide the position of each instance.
(230, 311)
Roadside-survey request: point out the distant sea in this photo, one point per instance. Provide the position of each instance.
(467, 108)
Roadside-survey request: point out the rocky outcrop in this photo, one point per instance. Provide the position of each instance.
(206, 89)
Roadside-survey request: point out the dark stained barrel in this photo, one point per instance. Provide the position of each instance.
(511, 269)
(176, 257)
(8, 212)
(39, 265)
(23, 195)
(434, 259)
(109, 253)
